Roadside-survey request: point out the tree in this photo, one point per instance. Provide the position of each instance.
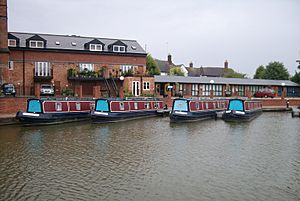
(230, 73)
(260, 72)
(176, 71)
(276, 71)
(296, 77)
(151, 66)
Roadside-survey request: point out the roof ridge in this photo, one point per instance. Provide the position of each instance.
(77, 36)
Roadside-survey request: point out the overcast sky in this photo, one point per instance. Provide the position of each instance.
(247, 33)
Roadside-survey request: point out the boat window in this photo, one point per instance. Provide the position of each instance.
(180, 105)
(122, 106)
(236, 105)
(206, 105)
(102, 106)
(197, 105)
(147, 105)
(58, 106)
(135, 104)
(34, 106)
(155, 105)
(78, 106)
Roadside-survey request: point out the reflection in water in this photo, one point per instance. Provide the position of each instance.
(151, 159)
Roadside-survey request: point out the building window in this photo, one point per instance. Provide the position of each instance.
(36, 44)
(206, 89)
(217, 90)
(86, 67)
(95, 47)
(12, 42)
(146, 85)
(195, 90)
(241, 90)
(42, 69)
(254, 89)
(125, 68)
(10, 65)
(118, 48)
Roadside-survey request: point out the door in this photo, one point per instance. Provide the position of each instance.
(135, 88)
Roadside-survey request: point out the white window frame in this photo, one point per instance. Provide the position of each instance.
(12, 42)
(78, 106)
(146, 86)
(96, 47)
(195, 89)
(147, 105)
(42, 68)
(135, 105)
(36, 44)
(122, 106)
(125, 68)
(88, 66)
(10, 65)
(119, 48)
(58, 106)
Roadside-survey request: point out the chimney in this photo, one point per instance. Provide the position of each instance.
(191, 65)
(226, 64)
(170, 59)
(4, 52)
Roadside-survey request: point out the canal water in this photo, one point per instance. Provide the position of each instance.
(151, 159)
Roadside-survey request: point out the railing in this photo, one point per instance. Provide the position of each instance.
(42, 78)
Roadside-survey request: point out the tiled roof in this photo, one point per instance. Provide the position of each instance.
(164, 66)
(66, 41)
(205, 71)
(221, 80)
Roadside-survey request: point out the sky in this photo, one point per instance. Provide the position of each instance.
(247, 33)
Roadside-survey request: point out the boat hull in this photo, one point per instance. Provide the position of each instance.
(104, 117)
(192, 116)
(32, 119)
(233, 116)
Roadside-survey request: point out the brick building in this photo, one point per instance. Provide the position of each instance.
(88, 65)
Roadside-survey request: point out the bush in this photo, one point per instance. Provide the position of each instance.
(67, 92)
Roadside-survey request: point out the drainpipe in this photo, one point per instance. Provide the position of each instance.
(23, 72)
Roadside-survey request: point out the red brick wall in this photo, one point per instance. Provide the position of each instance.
(60, 63)
(280, 102)
(128, 84)
(10, 105)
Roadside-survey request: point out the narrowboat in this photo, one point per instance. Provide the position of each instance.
(114, 110)
(242, 110)
(187, 110)
(46, 112)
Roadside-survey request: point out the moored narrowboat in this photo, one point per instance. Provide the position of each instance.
(114, 110)
(242, 110)
(46, 112)
(187, 110)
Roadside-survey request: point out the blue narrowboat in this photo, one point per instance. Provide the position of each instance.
(46, 112)
(242, 110)
(187, 110)
(114, 110)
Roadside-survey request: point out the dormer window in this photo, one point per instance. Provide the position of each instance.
(12, 43)
(118, 48)
(36, 44)
(95, 47)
